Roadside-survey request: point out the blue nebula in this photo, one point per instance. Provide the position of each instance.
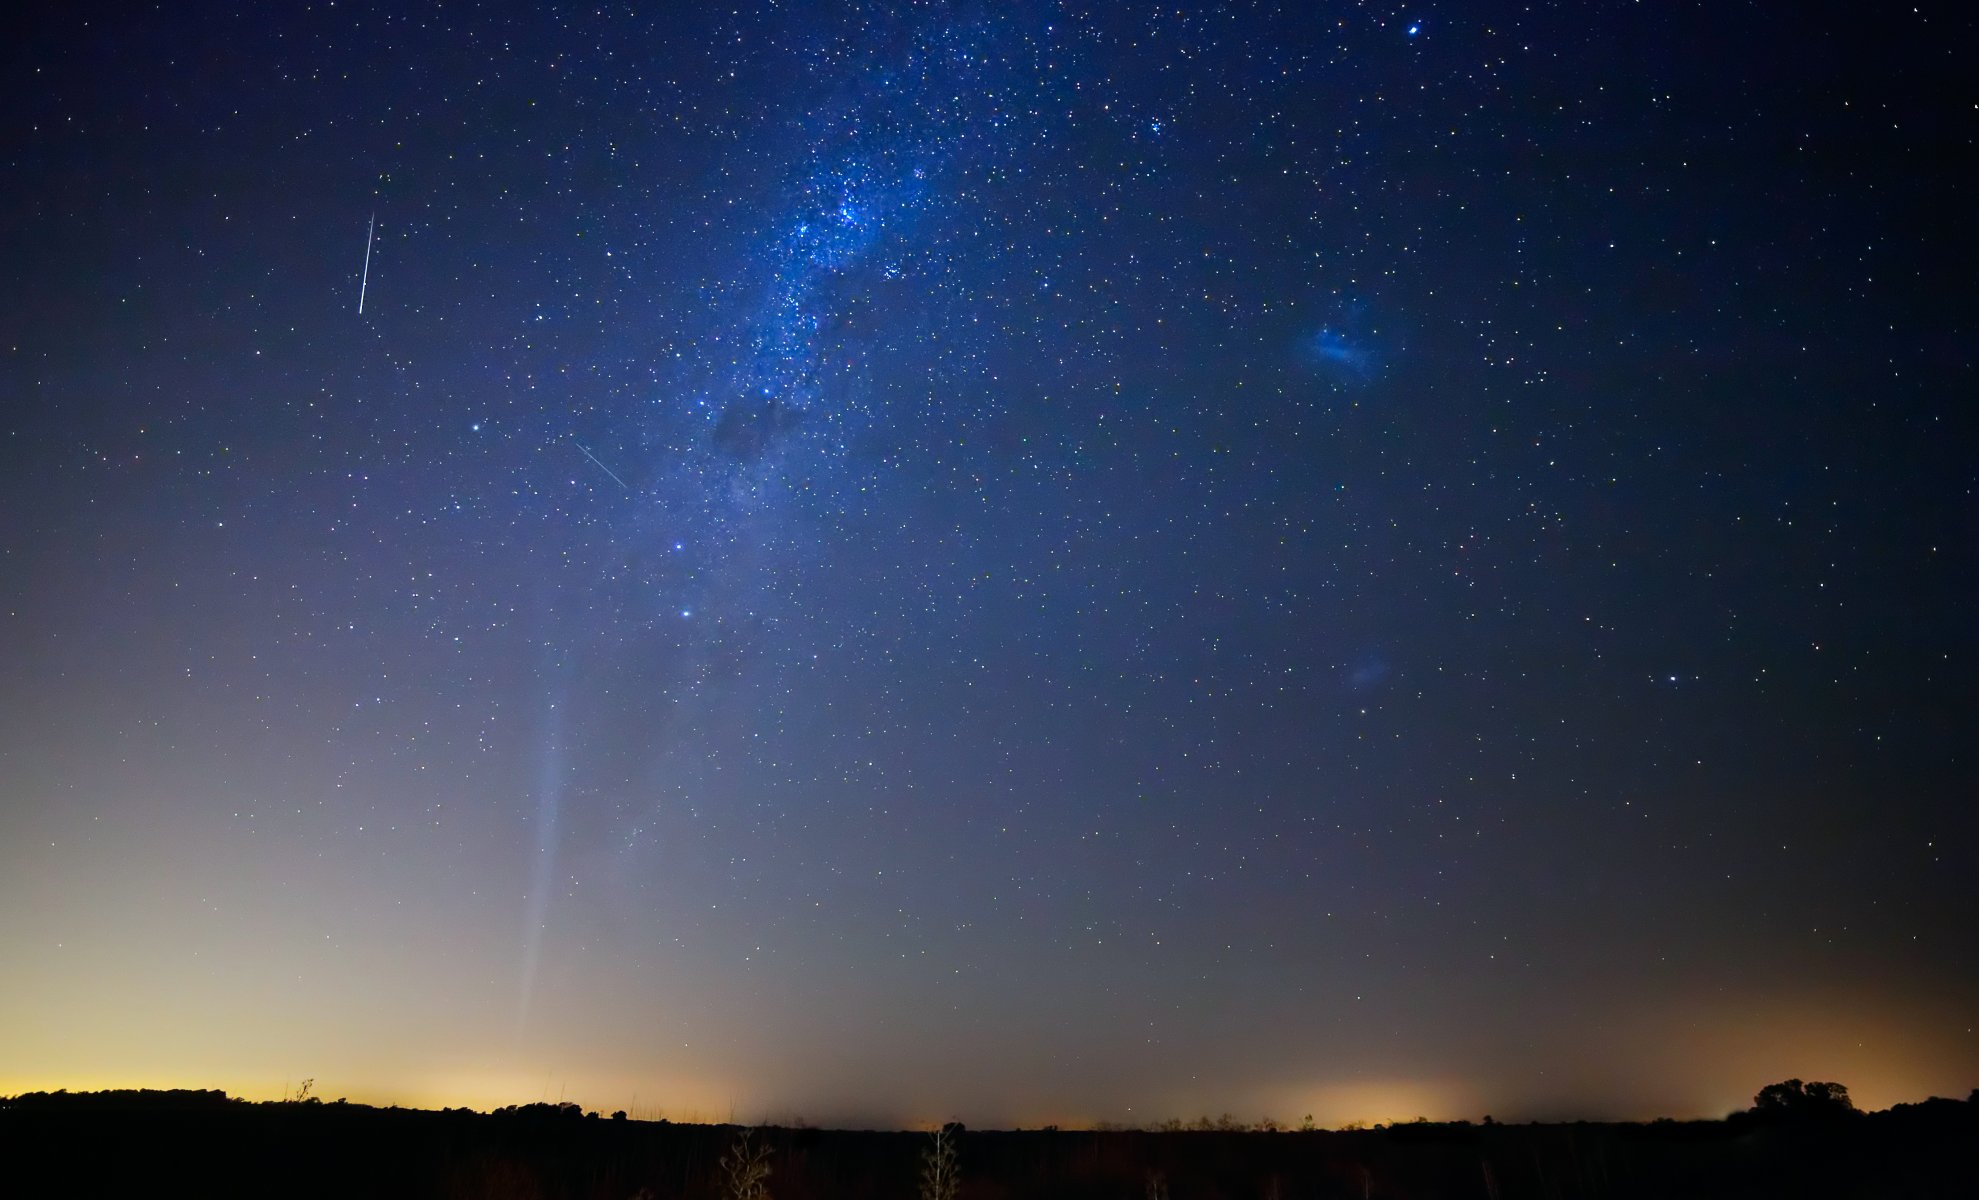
(1369, 670)
(1344, 355)
(1348, 350)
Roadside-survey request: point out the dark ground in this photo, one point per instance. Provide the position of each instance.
(134, 1144)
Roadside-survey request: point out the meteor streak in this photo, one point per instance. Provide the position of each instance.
(601, 466)
(366, 281)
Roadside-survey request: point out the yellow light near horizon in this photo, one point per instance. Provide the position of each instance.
(1382, 1102)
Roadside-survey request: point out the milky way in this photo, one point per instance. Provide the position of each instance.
(767, 431)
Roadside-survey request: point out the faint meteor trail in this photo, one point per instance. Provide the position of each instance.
(549, 795)
(366, 281)
(601, 466)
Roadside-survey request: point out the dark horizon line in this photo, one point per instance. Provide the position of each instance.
(193, 1099)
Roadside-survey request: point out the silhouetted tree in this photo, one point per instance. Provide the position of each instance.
(746, 1168)
(1792, 1098)
(940, 1175)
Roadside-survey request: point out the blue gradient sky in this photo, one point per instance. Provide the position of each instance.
(1014, 562)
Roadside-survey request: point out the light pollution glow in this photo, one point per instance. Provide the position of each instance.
(1701, 1068)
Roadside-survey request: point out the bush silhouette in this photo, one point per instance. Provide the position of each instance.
(1792, 1098)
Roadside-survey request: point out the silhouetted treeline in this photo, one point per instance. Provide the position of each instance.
(186, 1142)
(122, 1099)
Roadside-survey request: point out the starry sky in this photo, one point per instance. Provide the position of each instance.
(1015, 561)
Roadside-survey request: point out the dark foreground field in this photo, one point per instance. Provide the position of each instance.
(201, 1143)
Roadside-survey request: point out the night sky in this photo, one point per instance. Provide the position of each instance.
(1017, 562)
